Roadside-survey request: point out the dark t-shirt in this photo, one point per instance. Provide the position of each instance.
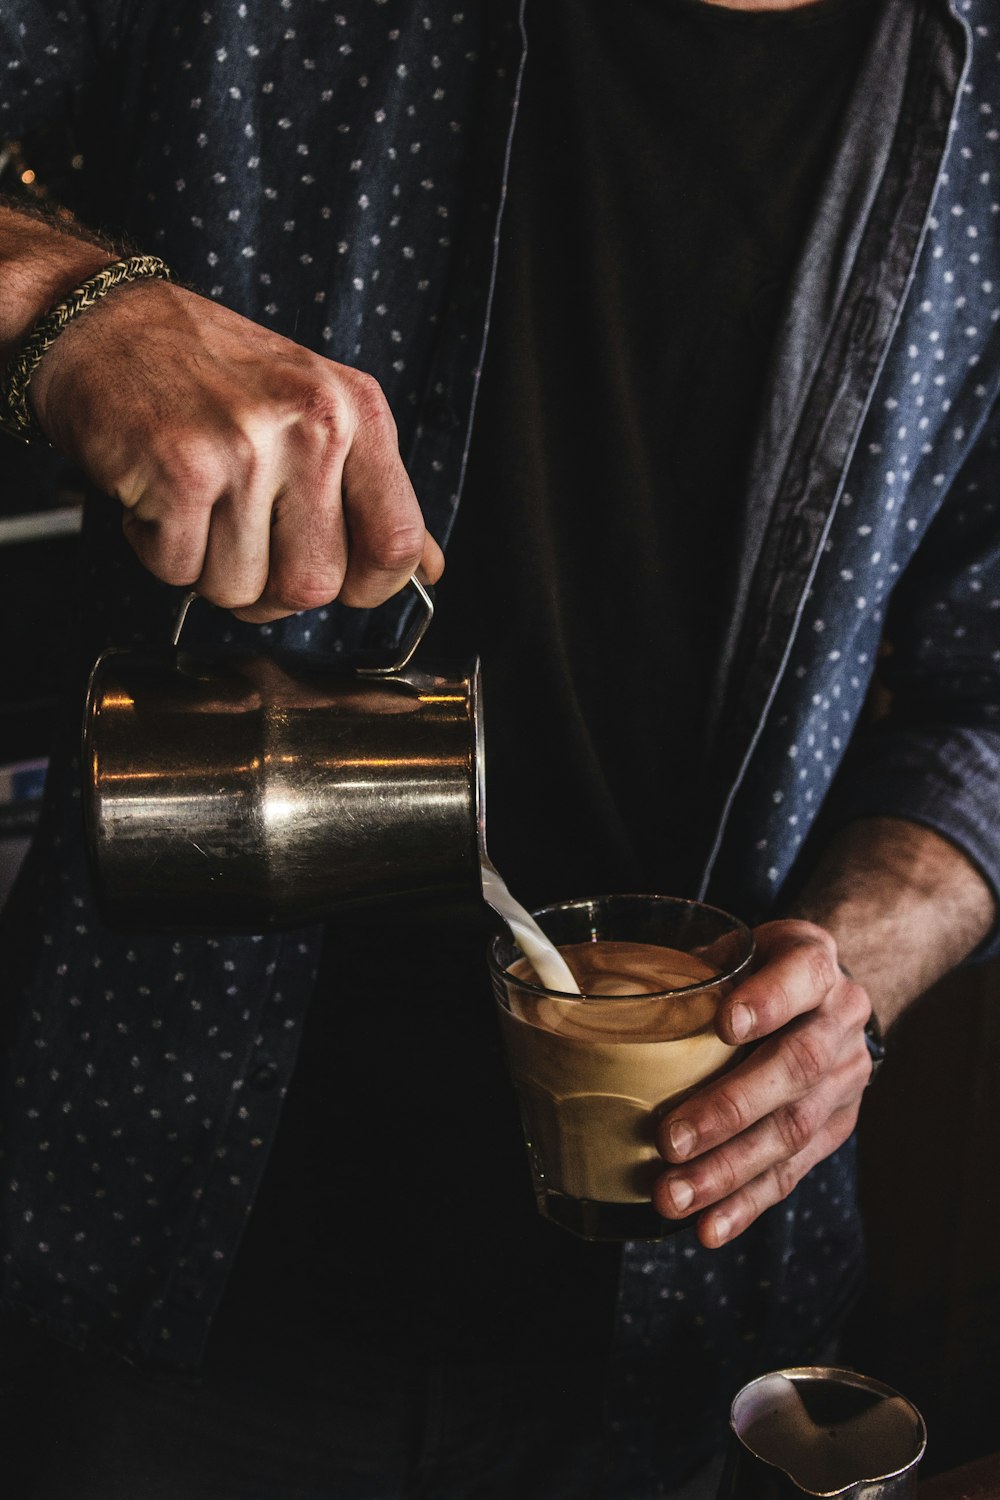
(666, 160)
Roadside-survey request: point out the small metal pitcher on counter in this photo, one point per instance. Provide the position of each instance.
(227, 790)
(817, 1431)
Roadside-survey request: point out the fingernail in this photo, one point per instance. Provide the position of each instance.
(682, 1137)
(681, 1193)
(721, 1228)
(741, 1021)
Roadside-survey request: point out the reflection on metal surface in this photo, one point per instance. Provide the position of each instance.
(280, 809)
(820, 1431)
(131, 776)
(227, 791)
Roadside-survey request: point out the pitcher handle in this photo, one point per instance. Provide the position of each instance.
(182, 615)
(407, 648)
(412, 641)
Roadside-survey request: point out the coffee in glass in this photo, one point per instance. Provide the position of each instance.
(595, 1072)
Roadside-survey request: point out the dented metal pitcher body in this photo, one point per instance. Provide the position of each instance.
(231, 791)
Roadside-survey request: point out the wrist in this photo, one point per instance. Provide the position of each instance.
(17, 415)
(903, 905)
(39, 265)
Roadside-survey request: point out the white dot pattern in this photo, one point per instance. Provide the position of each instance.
(918, 499)
(155, 1067)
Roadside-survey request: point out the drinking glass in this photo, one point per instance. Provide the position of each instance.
(595, 1072)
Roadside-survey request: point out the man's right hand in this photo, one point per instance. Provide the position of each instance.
(265, 476)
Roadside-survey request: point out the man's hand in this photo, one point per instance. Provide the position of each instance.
(901, 905)
(265, 476)
(747, 1139)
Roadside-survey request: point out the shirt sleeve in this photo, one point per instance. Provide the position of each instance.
(934, 757)
(49, 51)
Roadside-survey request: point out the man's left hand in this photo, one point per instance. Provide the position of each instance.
(743, 1142)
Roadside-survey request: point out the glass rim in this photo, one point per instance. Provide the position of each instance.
(502, 971)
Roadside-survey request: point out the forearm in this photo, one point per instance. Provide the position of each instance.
(903, 904)
(40, 261)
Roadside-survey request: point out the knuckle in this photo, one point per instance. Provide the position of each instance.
(797, 932)
(796, 1124)
(732, 1113)
(303, 591)
(725, 1178)
(785, 1177)
(169, 556)
(191, 471)
(180, 572)
(843, 1125)
(805, 1057)
(370, 404)
(228, 596)
(859, 1005)
(398, 549)
(812, 932)
(323, 412)
(821, 965)
(242, 450)
(863, 1067)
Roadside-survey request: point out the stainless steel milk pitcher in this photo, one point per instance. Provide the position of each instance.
(231, 791)
(821, 1431)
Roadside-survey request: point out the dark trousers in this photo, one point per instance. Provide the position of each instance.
(274, 1418)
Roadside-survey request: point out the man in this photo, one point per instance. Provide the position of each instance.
(784, 195)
